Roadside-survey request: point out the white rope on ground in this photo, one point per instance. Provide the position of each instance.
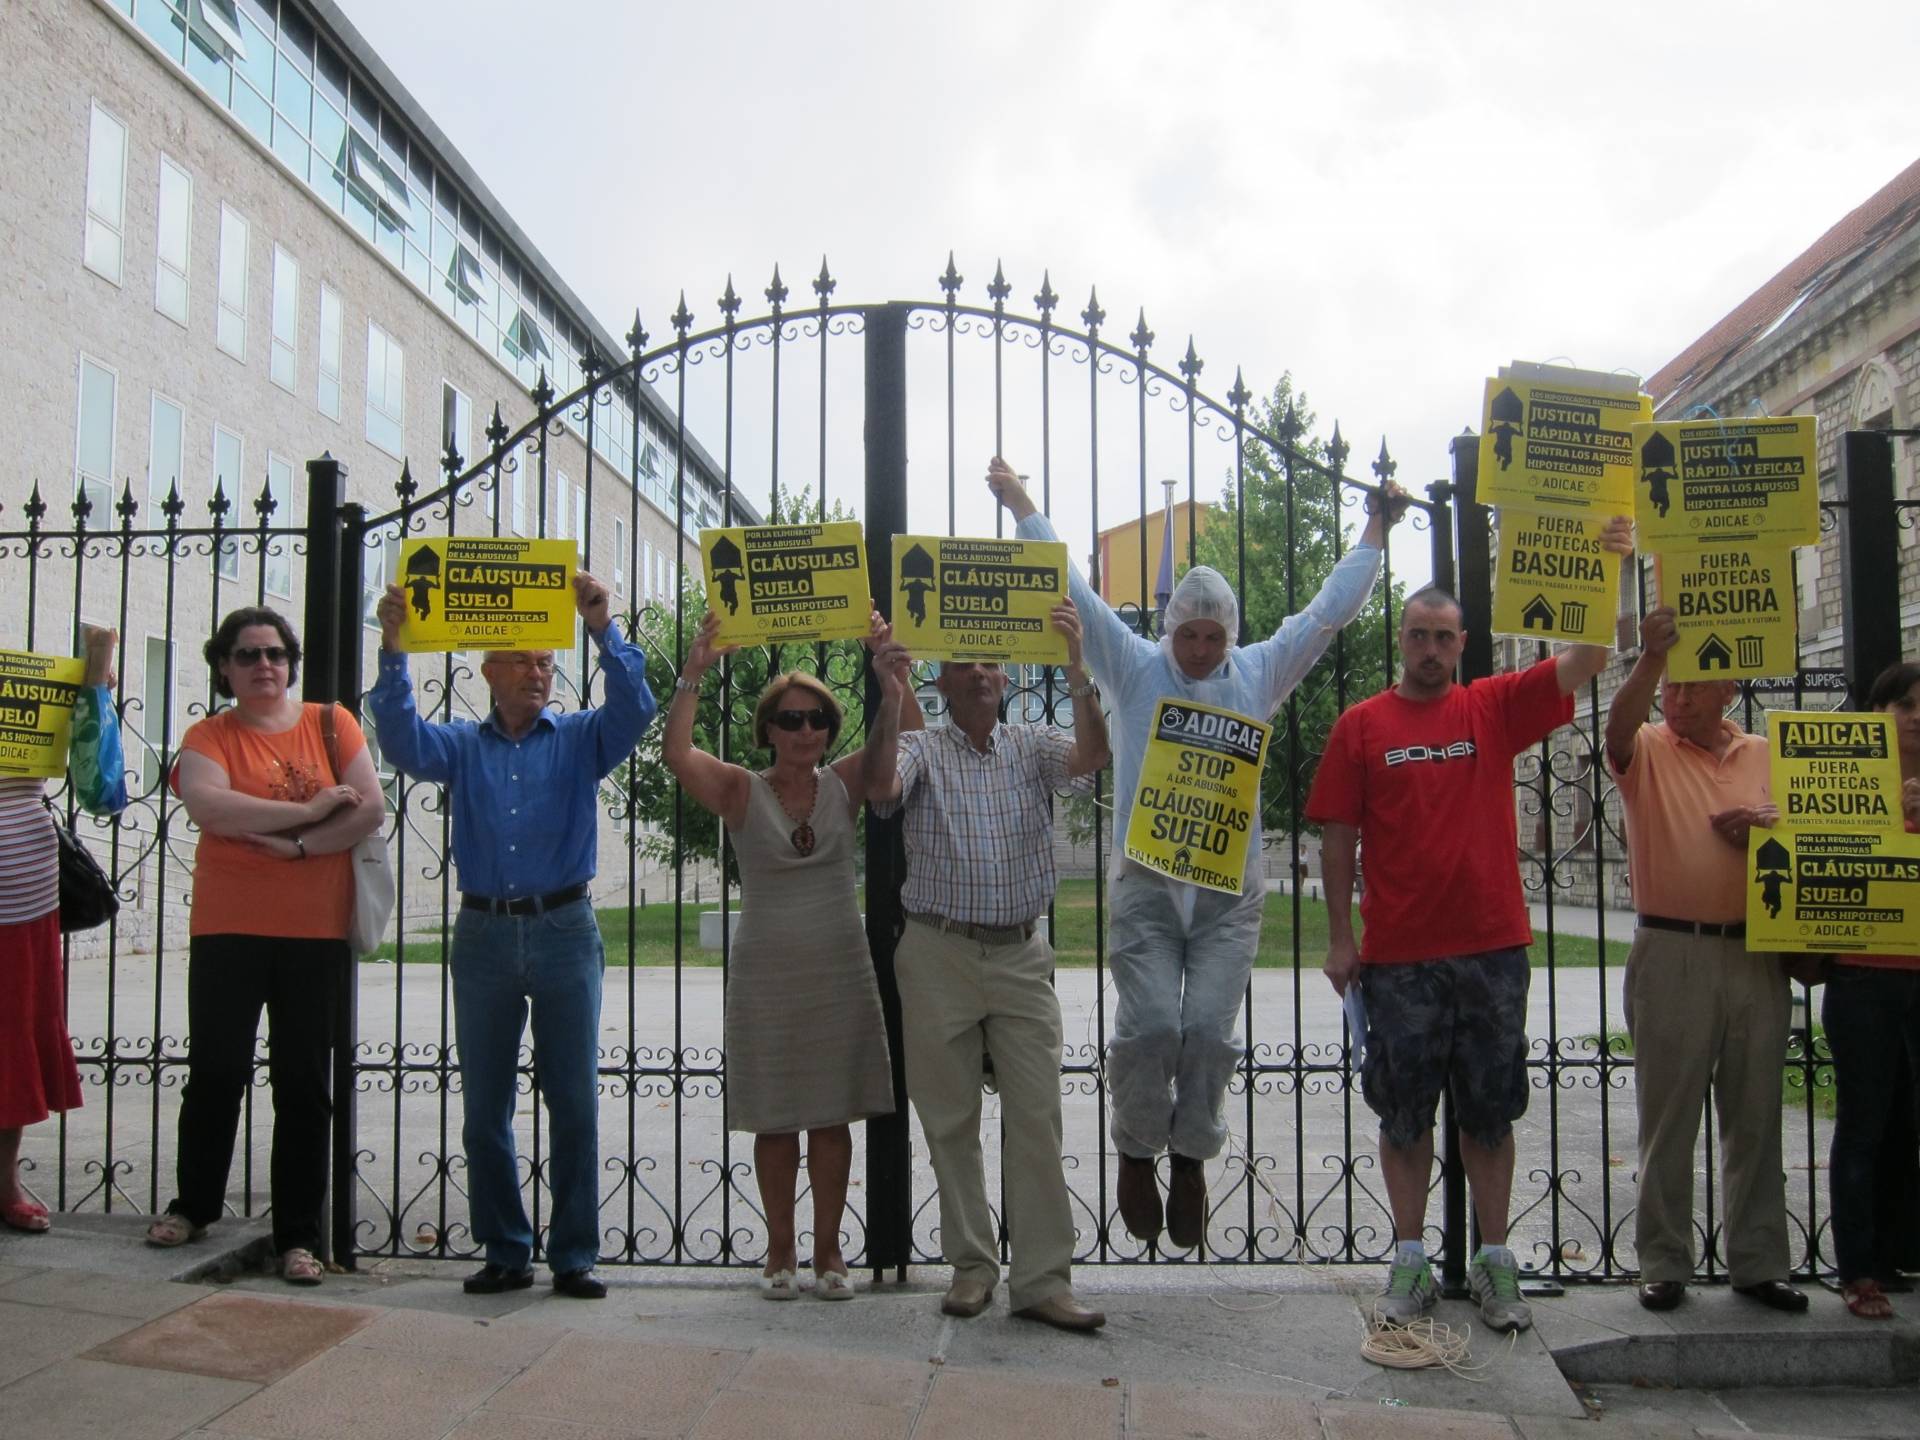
(1424, 1344)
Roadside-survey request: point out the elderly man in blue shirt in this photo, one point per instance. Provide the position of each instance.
(1181, 954)
(525, 785)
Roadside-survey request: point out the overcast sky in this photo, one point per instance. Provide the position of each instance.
(1388, 199)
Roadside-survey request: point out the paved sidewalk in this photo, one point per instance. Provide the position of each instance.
(96, 1341)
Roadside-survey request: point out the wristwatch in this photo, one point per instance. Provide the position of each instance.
(1081, 692)
(692, 687)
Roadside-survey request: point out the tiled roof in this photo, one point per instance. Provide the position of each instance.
(1891, 211)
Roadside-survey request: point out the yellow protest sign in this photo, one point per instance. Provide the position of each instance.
(1199, 795)
(36, 711)
(1752, 481)
(1552, 581)
(469, 593)
(1566, 448)
(788, 582)
(963, 599)
(1835, 770)
(1823, 891)
(1734, 609)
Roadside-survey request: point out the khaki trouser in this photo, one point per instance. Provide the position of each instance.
(957, 997)
(1704, 1012)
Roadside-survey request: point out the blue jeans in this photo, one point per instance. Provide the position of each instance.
(501, 965)
(1179, 987)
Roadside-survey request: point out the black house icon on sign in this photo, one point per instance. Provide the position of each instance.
(1713, 654)
(1538, 615)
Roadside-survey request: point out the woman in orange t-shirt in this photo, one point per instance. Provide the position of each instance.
(272, 899)
(1871, 1012)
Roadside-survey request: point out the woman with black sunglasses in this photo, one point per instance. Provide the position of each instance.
(278, 808)
(806, 1044)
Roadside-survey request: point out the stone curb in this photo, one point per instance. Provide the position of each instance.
(1887, 1355)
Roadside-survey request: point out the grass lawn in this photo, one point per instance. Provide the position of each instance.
(1074, 932)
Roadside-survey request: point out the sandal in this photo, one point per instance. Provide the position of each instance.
(833, 1285)
(301, 1267)
(779, 1286)
(27, 1216)
(172, 1229)
(1866, 1300)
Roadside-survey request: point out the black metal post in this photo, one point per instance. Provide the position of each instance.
(1870, 551)
(323, 640)
(1440, 534)
(889, 1168)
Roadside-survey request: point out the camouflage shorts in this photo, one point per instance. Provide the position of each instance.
(1457, 1024)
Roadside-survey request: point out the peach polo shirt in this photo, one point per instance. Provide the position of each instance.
(1678, 866)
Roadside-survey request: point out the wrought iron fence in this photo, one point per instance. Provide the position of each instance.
(883, 391)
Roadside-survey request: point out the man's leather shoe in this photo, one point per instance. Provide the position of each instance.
(1662, 1294)
(966, 1297)
(1186, 1202)
(492, 1279)
(1775, 1295)
(1139, 1195)
(581, 1284)
(1063, 1312)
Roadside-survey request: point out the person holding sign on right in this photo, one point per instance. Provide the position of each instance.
(1182, 949)
(1704, 1011)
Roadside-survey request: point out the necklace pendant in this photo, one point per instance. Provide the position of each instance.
(802, 838)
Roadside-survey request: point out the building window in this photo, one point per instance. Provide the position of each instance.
(562, 510)
(386, 392)
(382, 562)
(329, 396)
(280, 548)
(93, 445)
(286, 319)
(230, 480)
(456, 430)
(580, 525)
(166, 446)
(230, 331)
(646, 570)
(173, 245)
(620, 559)
(106, 194)
(156, 709)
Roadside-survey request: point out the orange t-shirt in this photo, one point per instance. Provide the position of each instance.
(1678, 867)
(239, 890)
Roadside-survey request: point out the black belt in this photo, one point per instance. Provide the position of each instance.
(531, 905)
(985, 934)
(1736, 930)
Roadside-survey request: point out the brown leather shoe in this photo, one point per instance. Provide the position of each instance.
(1063, 1312)
(1139, 1195)
(1662, 1294)
(1186, 1202)
(966, 1297)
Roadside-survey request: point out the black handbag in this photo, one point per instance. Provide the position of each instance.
(86, 893)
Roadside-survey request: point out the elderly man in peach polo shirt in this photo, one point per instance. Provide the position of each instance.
(1702, 1009)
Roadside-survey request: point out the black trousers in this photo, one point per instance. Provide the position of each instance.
(229, 979)
(1872, 1016)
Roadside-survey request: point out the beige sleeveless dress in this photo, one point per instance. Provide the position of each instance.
(806, 1045)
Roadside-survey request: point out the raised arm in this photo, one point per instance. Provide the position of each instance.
(1577, 664)
(414, 746)
(1633, 701)
(714, 784)
(629, 707)
(873, 770)
(1108, 638)
(1091, 750)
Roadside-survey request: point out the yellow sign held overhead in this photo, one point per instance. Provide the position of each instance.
(788, 582)
(1553, 581)
(36, 711)
(962, 599)
(1199, 795)
(470, 593)
(1828, 892)
(1565, 448)
(1734, 610)
(1836, 770)
(1756, 482)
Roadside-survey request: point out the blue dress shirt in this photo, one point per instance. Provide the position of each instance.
(524, 820)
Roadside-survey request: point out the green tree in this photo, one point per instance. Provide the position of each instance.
(1289, 552)
(666, 635)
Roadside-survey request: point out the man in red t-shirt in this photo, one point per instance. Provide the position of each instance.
(1421, 778)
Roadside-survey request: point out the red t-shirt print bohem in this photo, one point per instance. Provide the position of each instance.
(1429, 784)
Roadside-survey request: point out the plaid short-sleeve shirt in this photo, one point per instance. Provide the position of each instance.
(979, 828)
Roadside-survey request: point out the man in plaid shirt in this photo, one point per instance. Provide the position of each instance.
(975, 973)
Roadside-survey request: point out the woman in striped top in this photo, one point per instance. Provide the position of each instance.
(37, 1071)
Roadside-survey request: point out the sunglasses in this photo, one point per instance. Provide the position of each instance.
(816, 719)
(251, 654)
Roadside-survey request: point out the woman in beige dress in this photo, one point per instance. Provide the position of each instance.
(806, 1046)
